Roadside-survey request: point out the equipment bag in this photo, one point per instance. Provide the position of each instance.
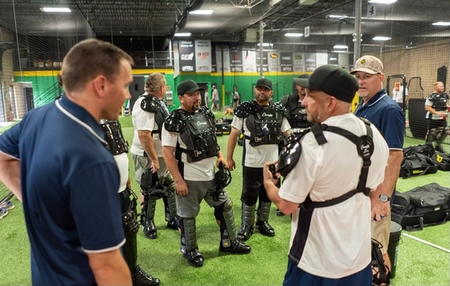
(425, 149)
(422, 206)
(442, 160)
(416, 164)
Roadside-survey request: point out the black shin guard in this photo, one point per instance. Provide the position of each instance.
(225, 219)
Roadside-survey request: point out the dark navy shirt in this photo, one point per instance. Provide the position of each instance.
(69, 184)
(387, 116)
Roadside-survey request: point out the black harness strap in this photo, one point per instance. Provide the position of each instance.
(364, 146)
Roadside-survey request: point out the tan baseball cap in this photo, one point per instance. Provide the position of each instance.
(368, 64)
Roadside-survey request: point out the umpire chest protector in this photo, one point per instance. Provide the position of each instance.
(152, 104)
(297, 113)
(263, 122)
(197, 130)
(439, 101)
(116, 144)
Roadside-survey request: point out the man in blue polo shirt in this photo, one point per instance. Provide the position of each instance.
(56, 162)
(387, 116)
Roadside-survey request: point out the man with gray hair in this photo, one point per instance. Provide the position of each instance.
(149, 113)
(377, 107)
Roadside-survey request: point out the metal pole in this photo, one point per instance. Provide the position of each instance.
(357, 34)
(261, 39)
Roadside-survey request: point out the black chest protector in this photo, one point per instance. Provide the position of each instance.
(114, 137)
(263, 122)
(152, 104)
(197, 130)
(364, 146)
(297, 113)
(439, 101)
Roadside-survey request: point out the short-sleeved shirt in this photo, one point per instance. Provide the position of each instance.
(397, 95)
(256, 157)
(387, 116)
(337, 240)
(69, 183)
(144, 120)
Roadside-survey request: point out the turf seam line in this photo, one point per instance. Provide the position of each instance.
(426, 242)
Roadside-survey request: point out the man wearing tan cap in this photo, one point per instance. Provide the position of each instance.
(386, 115)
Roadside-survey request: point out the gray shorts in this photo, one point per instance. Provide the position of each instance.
(189, 206)
(141, 165)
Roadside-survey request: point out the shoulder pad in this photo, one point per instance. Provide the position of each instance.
(150, 103)
(176, 121)
(284, 99)
(246, 108)
(291, 152)
(208, 113)
(281, 108)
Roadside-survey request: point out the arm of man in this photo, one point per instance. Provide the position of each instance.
(232, 140)
(387, 186)
(10, 174)
(283, 205)
(109, 268)
(172, 165)
(433, 111)
(146, 139)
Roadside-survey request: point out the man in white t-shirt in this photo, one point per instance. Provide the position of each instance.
(397, 94)
(330, 245)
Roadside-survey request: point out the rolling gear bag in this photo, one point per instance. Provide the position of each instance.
(422, 206)
(417, 164)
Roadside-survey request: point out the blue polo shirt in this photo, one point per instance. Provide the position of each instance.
(69, 184)
(387, 116)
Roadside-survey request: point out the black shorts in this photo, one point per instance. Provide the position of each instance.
(431, 123)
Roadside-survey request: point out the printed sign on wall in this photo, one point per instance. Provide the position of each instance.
(203, 55)
(187, 60)
(226, 58)
(249, 61)
(236, 60)
(286, 62)
(299, 62)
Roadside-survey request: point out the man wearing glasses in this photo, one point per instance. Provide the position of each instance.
(263, 124)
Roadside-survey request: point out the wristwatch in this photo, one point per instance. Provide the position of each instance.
(384, 198)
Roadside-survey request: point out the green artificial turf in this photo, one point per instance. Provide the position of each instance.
(418, 264)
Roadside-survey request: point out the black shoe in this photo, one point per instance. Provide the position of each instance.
(194, 257)
(265, 228)
(237, 247)
(141, 278)
(245, 232)
(149, 229)
(279, 213)
(173, 224)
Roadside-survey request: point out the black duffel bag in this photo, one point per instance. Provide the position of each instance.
(417, 164)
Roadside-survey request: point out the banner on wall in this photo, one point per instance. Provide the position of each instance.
(321, 59)
(249, 60)
(203, 55)
(264, 62)
(273, 59)
(333, 59)
(286, 62)
(226, 58)
(310, 61)
(236, 60)
(187, 59)
(299, 62)
(176, 60)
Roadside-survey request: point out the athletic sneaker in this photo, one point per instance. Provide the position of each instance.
(7, 205)
(3, 212)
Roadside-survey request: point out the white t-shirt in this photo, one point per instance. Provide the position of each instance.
(143, 120)
(122, 165)
(338, 239)
(256, 157)
(398, 95)
(203, 170)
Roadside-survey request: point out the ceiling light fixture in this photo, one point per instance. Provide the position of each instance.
(182, 34)
(201, 12)
(293, 34)
(266, 44)
(56, 10)
(383, 1)
(340, 47)
(441, 24)
(337, 16)
(381, 38)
